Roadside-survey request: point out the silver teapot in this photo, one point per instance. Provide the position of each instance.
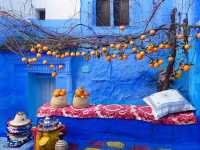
(61, 145)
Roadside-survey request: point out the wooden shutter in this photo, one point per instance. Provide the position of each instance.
(121, 12)
(103, 12)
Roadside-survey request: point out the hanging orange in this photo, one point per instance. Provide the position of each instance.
(45, 48)
(125, 56)
(108, 58)
(155, 49)
(78, 54)
(112, 45)
(72, 54)
(142, 53)
(187, 46)
(49, 53)
(52, 66)
(139, 56)
(161, 46)
(178, 74)
(33, 50)
(34, 59)
(142, 37)
(93, 52)
(156, 65)
(57, 55)
(54, 53)
(114, 56)
(186, 68)
(39, 46)
(118, 46)
(152, 32)
(62, 56)
(66, 54)
(160, 61)
(54, 74)
(198, 35)
(134, 49)
(60, 67)
(24, 59)
(83, 53)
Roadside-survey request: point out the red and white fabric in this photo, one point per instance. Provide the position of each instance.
(116, 111)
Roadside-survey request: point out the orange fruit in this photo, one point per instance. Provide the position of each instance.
(112, 45)
(66, 54)
(62, 56)
(39, 45)
(114, 56)
(78, 54)
(54, 74)
(83, 53)
(72, 54)
(161, 46)
(155, 49)
(125, 56)
(198, 35)
(93, 53)
(152, 32)
(139, 56)
(56, 93)
(186, 46)
(45, 48)
(160, 61)
(62, 93)
(54, 53)
(30, 60)
(186, 68)
(156, 65)
(142, 37)
(49, 53)
(142, 53)
(34, 59)
(52, 66)
(108, 58)
(24, 59)
(134, 49)
(33, 50)
(60, 67)
(178, 74)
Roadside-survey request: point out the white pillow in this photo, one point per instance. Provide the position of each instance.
(167, 102)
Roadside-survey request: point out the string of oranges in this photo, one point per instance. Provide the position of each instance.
(120, 51)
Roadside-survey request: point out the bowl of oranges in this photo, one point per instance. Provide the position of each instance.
(81, 98)
(59, 98)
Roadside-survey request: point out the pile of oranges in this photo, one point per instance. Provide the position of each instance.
(81, 92)
(59, 92)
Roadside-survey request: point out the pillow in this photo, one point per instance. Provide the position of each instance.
(167, 102)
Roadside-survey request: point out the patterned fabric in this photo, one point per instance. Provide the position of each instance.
(167, 102)
(117, 111)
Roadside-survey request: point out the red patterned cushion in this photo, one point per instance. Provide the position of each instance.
(117, 111)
